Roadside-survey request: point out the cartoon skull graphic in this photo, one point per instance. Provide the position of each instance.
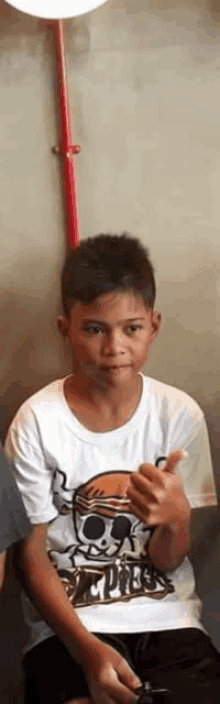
(104, 524)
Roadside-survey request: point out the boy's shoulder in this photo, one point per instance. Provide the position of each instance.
(49, 396)
(52, 391)
(170, 399)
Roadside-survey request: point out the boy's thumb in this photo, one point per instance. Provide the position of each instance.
(173, 460)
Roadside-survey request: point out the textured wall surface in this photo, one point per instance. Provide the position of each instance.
(144, 82)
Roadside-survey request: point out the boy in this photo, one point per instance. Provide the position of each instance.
(96, 457)
(14, 523)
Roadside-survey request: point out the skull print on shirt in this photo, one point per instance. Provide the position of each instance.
(106, 557)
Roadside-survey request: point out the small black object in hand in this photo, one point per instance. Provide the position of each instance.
(151, 695)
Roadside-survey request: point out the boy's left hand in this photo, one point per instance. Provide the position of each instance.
(156, 495)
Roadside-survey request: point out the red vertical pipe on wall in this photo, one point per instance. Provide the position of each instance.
(66, 148)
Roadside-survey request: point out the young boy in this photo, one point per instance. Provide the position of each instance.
(14, 523)
(109, 463)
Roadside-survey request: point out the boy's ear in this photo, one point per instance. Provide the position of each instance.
(63, 327)
(156, 323)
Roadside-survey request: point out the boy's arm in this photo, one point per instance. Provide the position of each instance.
(168, 545)
(48, 593)
(109, 676)
(157, 497)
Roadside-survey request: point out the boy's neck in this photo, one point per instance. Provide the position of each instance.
(102, 409)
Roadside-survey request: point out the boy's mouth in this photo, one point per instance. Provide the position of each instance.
(115, 366)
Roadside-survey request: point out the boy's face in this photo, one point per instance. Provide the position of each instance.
(111, 337)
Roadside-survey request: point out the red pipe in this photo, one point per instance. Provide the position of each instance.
(66, 148)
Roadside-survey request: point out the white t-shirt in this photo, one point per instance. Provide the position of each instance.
(75, 480)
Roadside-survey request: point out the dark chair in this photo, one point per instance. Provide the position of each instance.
(205, 556)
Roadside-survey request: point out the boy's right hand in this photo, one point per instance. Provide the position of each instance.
(110, 679)
(109, 676)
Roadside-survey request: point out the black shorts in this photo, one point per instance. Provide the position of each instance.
(183, 661)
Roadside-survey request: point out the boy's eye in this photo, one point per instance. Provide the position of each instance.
(133, 328)
(94, 329)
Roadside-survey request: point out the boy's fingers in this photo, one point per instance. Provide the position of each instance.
(173, 460)
(120, 694)
(127, 676)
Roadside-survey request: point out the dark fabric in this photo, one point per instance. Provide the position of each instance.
(14, 523)
(183, 661)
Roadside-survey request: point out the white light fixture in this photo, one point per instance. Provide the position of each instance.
(56, 9)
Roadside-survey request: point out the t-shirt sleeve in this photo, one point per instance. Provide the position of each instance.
(196, 470)
(34, 477)
(14, 523)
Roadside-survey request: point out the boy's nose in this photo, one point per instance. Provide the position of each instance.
(114, 344)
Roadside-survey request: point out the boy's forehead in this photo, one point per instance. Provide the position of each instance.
(117, 304)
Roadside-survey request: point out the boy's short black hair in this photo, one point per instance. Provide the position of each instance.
(107, 263)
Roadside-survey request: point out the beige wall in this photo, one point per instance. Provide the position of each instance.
(144, 81)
